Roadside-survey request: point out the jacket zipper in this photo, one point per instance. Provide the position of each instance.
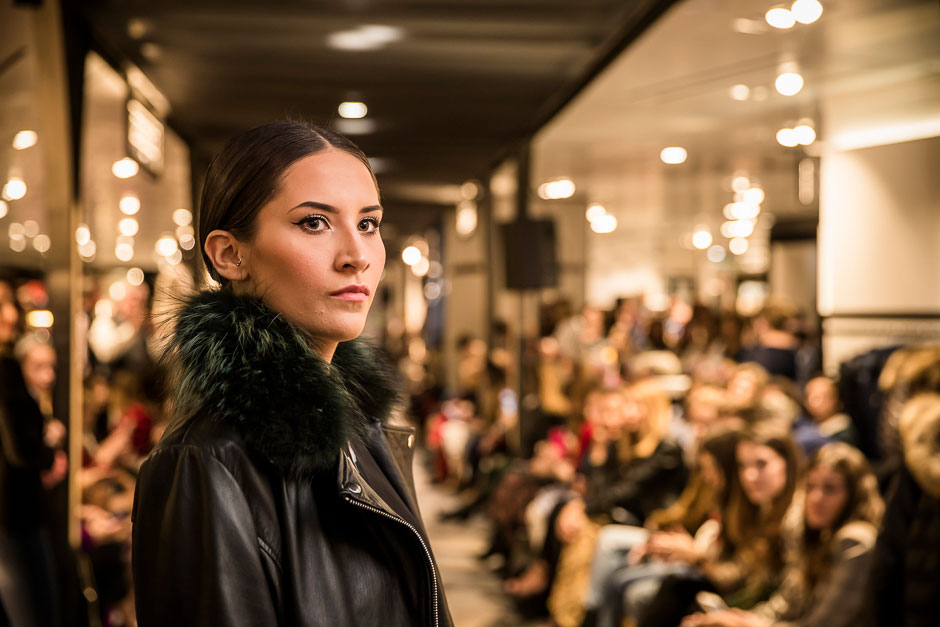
(427, 552)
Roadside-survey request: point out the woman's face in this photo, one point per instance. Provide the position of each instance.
(635, 414)
(316, 255)
(8, 314)
(826, 497)
(763, 472)
(742, 388)
(822, 400)
(610, 413)
(39, 369)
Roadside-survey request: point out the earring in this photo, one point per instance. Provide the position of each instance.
(238, 263)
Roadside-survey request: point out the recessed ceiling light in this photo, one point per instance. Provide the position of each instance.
(353, 110)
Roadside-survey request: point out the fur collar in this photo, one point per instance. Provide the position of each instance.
(240, 362)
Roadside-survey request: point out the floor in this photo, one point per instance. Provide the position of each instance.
(474, 593)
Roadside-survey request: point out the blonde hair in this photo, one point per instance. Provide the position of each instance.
(658, 414)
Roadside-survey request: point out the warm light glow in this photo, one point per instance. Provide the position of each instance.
(135, 276)
(129, 205)
(125, 168)
(421, 267)
(17, 243)
(411, 255)
(128, 227)
(789, 83)
(806, 11)
(780, 18)
(187, 242)
(604, 224)
(737, 228)
(24, 140)
(466, 217)
(557, 189)
(4, 208)
(166, 246)
(182, 217)
(183, 231)
(14, 189)
(728, 211)
(40, 319)
(30, 228)
(738, 246)
(469, 190)
(740, 183)
(82, 234)
(87, 250)
(15, 229)
(118, 290)
(366, 37)
(175, 258)
(740, 92)
(743, 211)
(42, 243)
(787, 137)
(595, 211)
(887, 134)
(124, 251)
(716, 253)
(701, 239)
(352, 110)
(804, 134)
(755, 196)
(673, 155)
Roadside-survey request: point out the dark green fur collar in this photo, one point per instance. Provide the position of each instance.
(239, 361)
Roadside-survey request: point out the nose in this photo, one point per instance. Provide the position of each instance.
(351, 255)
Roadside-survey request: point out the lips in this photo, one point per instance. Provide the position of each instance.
(354, 293)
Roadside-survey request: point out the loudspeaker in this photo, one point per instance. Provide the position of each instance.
(529, 247)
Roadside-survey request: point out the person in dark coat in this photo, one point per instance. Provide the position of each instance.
(906, 572)
(281, 493)
(27, 594)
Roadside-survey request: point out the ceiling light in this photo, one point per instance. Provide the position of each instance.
(82, 234)
(466, 218)
(806, 11)
(804, 134)
(14, 189)
(4, 208)
(605, 224)
(125, 168)
(411, 255)
(24, 140)
(787, 137)
(716, 253)
(366, 37)
(738, 246)
(182, 217)
(740, 183)
(42, 243)
(779, 17)
(673, 155)
(129, 205)
(353, 110)
(128, 227)
(595, 211)
(701, 239)
(789, 83)
(469, 190)
(740, 92)
(557, 189)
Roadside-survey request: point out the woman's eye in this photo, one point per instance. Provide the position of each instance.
(313, 223)
(369, 225)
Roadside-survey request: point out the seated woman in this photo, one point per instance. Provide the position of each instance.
(674, 539)
(832, 550)
(745, 563)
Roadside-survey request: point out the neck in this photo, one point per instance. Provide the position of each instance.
(325, 349)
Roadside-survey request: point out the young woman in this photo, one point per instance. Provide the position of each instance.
(832, 549)
(745, 562)
(274, 498)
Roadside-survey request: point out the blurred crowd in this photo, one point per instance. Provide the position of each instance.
(696, 469)
(684, 467)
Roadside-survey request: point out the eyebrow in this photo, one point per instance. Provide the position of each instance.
(331, 209)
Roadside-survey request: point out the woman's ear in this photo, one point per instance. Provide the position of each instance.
(226, 254)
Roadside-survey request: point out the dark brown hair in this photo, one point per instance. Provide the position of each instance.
(247, 173)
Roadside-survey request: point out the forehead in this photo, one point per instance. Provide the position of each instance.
(332, 176)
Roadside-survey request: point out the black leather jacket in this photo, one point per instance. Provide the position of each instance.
(279, 502)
